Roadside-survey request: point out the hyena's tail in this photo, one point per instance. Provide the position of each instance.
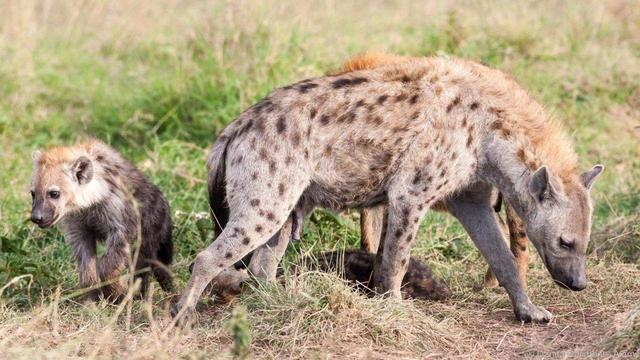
(216, 170)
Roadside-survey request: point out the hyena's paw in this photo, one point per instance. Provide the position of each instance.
(182, 315)
(529, 312)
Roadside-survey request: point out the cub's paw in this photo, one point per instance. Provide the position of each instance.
(528, 312)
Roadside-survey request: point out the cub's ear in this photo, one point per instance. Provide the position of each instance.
(82, 170)
(540, 185)
(589, 177)
(35, 156)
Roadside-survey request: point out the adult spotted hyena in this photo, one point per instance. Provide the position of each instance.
(97, 195)
(407, 136)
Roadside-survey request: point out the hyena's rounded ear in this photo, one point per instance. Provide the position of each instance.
(589, 177)
(540, 185)
(82, 170)
(35, 156)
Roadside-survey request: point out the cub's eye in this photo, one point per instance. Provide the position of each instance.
(54, 194)
(33, 194)
(565, 244)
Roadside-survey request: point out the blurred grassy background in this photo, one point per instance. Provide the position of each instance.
(159, 79)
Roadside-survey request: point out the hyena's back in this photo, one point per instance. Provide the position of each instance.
(342, 138)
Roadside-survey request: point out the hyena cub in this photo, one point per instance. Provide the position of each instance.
(97, 195)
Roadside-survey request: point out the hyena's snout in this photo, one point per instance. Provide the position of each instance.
(42, 216)
(570, 275)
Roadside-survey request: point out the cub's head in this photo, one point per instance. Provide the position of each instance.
(63, 181)
(559, 224)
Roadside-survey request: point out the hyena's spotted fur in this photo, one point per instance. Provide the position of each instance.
(97, 195)
(407, 136)
(372, 218)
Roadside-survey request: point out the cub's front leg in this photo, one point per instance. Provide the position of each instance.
(83, 244)
(111, 265)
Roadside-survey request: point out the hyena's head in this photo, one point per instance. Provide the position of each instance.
(558, 223)
(63, 181)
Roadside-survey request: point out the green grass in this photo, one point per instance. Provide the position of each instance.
(159, 87)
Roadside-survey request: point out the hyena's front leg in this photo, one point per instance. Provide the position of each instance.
(112, 263)
(475, 213)
(83, 243)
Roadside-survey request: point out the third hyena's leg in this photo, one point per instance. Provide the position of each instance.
(519, 244)
(371, 228)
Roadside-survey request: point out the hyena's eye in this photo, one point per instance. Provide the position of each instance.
(565, 244)
(54, 194)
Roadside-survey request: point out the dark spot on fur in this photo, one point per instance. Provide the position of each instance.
(228, 255)
(398, 233)
(348, 117)
(417, 177)
(295, 138)
(414, 99)
(306, 153)
(254, 202)
(263, 105)
(453, 104)
(382, 99)
(521, 155)
(254, 176)
(405, 78)
(272, 167)
(288, 159)
(306, 87)
(281, 189)
(264, 155)
(312, 113)
(344, 82)
(246, 241)
(474, 105)
(259, 228)
(360, 103)
(281, 125)
(99, 158)
(401, 97)
(324, 119)
(328, 150)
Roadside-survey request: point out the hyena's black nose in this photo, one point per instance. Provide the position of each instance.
(36, 217)
(578, 284)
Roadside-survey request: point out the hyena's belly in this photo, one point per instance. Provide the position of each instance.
(351, 174)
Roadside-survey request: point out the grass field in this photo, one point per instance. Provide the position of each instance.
(159, 79)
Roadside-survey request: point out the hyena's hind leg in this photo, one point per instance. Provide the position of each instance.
(256, 214)
(519, 244)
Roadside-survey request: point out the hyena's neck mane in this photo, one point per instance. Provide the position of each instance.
(537, 138)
